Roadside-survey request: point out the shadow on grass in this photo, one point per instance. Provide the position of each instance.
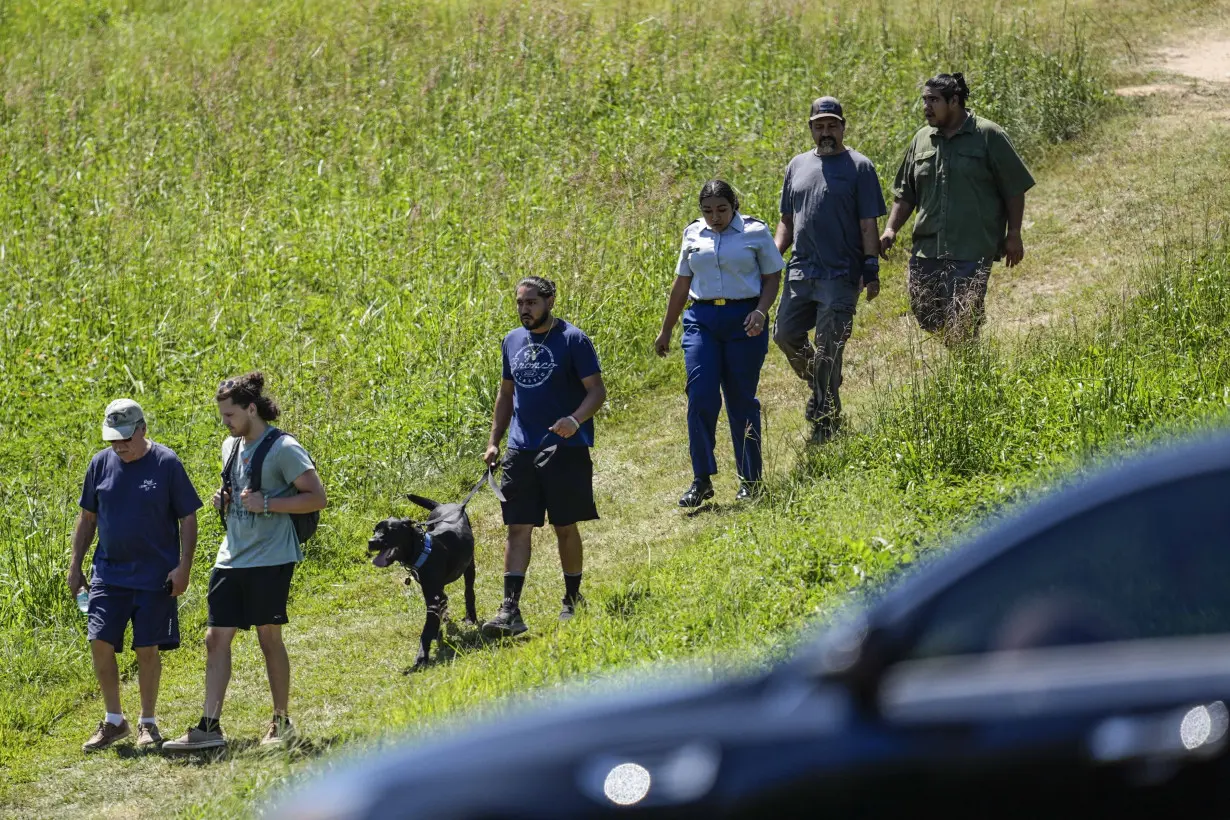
(457, 641)
(718, 508)
(306, 748)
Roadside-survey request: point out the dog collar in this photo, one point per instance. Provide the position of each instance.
(422, 559)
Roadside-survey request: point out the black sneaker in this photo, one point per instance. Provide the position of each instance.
(700, 492)
(570, 607)
(507, 622)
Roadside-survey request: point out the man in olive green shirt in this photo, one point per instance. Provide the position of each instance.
(968, 184)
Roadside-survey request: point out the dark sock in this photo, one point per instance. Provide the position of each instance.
(208, 724)
(572, 586)
(512, 585)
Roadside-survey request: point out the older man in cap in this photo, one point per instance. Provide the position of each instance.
(831, 199)
(138, 498)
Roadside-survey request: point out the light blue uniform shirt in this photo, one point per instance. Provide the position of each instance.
(728, 265)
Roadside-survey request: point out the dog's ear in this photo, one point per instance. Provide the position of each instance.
(425, 503)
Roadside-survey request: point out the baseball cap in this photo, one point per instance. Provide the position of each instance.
(121, 419)
(826, 107)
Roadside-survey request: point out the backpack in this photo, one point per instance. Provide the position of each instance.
(305, 523)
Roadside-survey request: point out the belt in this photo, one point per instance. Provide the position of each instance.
(725, 301)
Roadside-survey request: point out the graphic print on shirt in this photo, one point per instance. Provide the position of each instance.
(532, 365)
(149, 484)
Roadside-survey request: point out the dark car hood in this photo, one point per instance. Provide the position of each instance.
(492, 770)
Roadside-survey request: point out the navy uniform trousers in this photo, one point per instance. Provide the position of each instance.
(722, 360)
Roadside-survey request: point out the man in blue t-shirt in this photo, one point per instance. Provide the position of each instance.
(831, 200)
(138, 498)
(551, 389)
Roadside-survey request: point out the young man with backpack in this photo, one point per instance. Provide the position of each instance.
(269, 497)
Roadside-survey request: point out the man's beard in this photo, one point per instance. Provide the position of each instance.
(529, 324)
(827, 145)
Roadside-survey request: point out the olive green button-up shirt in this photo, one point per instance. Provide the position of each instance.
(959, 185)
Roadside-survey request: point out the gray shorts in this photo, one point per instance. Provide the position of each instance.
(948, 295)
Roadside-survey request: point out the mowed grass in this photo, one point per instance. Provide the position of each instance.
(344, 198)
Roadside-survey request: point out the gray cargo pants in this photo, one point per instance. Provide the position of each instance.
(825, 306)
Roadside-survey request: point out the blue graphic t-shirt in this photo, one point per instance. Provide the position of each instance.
(546, 371)
(139, 506)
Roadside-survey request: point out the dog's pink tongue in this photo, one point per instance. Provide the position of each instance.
(384, 558)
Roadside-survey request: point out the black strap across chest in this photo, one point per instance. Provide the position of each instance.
(257, 463)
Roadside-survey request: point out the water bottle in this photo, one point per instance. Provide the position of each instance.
(83, 600)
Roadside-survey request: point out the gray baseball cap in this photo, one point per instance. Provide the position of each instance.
(122, 419)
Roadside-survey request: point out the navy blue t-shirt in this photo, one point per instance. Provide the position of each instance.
(139, 506)
(827, 196)
(546, 373)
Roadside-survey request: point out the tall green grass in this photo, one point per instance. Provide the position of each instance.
(343, 196)
(1069, 392)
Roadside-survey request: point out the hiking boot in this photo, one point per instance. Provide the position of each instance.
(749, 491)
(700, 491)
(148, 736)
(281, 732)
(821, 433)
(105, 736)
(507, 621)
(570, 607)
(195, 739)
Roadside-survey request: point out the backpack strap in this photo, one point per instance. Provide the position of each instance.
(258, 459)
(228, 470)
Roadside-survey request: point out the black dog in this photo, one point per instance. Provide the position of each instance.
(437, 552)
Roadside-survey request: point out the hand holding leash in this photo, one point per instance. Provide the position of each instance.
(566, 427)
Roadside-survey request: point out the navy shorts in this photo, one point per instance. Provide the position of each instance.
(244, 597)
(556, 482)
(154, 616)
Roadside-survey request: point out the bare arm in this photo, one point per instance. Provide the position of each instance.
(595, 395)
(870, 279)
(784, 237)
(310, 498)
(756, 321)
(674, 307)
(870, 232)
(500, 419)
(83, 536)
(1014, 249)
(180, 576)
(896, 220)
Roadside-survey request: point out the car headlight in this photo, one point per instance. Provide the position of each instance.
(651, 777)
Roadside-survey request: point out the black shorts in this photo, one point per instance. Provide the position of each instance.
(555, 482)
(244, 597)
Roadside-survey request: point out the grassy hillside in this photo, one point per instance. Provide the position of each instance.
(343, 196)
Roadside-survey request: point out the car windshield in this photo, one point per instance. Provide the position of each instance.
(1154, 564)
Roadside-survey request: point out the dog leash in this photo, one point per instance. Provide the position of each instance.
(488, 479)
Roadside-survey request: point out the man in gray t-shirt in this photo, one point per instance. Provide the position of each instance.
(250, 583)
(831, 200)
(254, 539)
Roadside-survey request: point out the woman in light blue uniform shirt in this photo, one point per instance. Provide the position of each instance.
(730, 269)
